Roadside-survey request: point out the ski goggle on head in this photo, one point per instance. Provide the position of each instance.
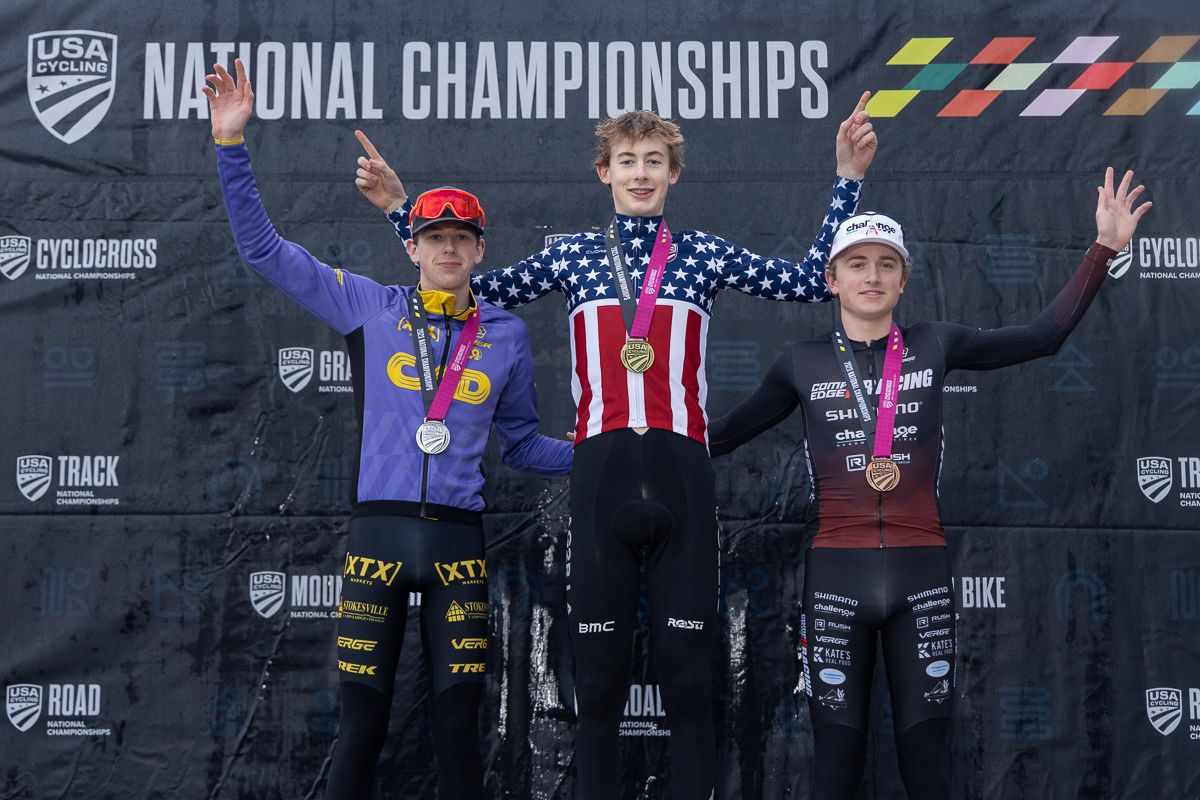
(444, 204)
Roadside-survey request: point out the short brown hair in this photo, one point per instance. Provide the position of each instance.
(635, 126)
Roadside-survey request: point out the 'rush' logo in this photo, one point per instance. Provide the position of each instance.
(1081, 56)
(469, 644)
(469, 572)
(349, 643)
(473, 386)
(362, 569)
(71, 79)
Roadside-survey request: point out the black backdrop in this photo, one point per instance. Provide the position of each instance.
(159, 462)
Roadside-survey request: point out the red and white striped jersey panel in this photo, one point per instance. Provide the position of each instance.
(671, 395)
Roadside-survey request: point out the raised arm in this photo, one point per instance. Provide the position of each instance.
(1116, 221)
(339, 298)
(771, 403)
(516, 420)
(778, 279)
(506, 287)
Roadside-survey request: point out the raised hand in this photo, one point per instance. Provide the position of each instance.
(856, 142)
(1116, 218)
(230, 103)
(378, 182)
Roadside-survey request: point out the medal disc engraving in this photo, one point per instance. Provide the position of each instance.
(882, 474)
(637, 355)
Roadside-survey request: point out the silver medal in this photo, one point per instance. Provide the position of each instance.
(433, 436)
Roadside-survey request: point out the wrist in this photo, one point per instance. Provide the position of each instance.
(226, 139)
(851, 174)
(396, 205)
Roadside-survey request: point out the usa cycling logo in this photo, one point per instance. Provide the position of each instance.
(71, 80)
(1164, 708)
(995, 71)
(23, 705)
(14, 255)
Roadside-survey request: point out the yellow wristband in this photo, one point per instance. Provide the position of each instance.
(238, 140)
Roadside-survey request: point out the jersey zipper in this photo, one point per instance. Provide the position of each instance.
(442, 368)
(879, 501)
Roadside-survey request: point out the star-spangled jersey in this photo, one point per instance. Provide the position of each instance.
(672, 393)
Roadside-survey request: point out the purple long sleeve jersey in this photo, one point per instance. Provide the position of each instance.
(497, 386)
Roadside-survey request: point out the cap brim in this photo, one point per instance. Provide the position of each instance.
(417, 227)
(869, 240)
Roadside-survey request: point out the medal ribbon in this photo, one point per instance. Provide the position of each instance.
(878, 430)
(637, 321)
(437, 396)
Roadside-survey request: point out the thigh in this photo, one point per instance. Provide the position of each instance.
(838, 637)
(919, 637)
(454, 603)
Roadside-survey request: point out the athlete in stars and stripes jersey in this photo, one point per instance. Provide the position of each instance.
(642, 495)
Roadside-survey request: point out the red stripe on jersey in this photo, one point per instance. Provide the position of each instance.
(581, 372)
(657, 380)
(692, 364)
(615, 390)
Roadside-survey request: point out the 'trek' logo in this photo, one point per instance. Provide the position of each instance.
(467, 668)
(14, 255)
(365, 570)
(469, 573)
(357, 669)
(23, 705)
(1081, 56)
(71, 80)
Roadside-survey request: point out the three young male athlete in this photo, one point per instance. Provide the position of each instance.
(433, 370)
(878, 566)
(642, 497)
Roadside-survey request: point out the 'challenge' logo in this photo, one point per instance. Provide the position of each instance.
(71, 80)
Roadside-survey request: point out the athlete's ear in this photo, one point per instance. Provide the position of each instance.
(674, 175)
(602, 171)
(831, 281)
(411, 247)
(479, 243)
(904, 282)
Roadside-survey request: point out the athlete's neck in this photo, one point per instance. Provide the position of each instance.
(462, 294)
(866, 330)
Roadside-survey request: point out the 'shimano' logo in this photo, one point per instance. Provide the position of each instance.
(295, 367)
(23, 704)
(14, 255)
(33, 476)
(267, 592)
(1155, 477)
(71, 81)
(1164, 708)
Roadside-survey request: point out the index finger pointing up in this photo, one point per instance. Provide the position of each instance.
(862, 104)
(366, 143)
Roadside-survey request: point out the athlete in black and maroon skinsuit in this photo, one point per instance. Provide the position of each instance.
(878, 564)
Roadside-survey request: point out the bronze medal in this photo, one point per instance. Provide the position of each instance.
(637, 355)
(883, 474)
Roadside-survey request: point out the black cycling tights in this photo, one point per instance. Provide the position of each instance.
(388, 557)
(643, 501)
(852, 596)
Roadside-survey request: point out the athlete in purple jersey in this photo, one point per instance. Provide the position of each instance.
(415, 524)
(878, 567)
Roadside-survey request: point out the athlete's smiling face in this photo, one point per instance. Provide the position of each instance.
(868, 279)
(446, 252)
(639, 174)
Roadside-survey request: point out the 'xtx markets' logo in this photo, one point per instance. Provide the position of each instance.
(71, 80)
(1164, 709)
(1159, 258)
(77, 259)
(297, 364)
(71, 708)
(82, 480)
(1156, 479)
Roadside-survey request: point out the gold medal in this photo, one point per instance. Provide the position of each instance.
(637, 355)
(883, 474)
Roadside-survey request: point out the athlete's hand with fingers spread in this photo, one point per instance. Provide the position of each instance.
(856, 142)
(1116, 218)
(378, 182)
(230, 103)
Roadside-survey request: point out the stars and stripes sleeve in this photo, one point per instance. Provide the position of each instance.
(777, 278)
(506, 287)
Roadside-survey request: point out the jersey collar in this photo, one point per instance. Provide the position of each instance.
(439, 302)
